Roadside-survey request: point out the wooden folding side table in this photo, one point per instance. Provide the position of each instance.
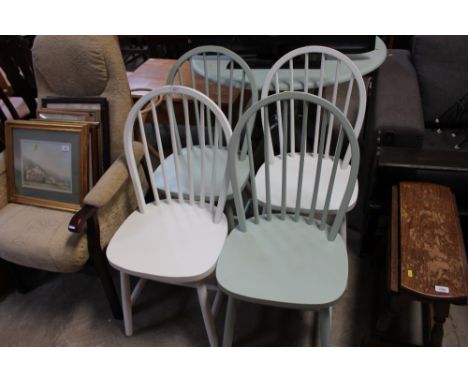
(427, 254)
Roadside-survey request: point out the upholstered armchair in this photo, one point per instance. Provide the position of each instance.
(59, 241)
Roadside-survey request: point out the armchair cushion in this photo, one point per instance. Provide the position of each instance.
(398, 111)
(38, 238)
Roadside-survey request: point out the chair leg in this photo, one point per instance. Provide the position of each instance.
(325, 326)
(216, 303)
(229, 322)
(207, 316)
(230, 216)
(343, 232)
(126, 303)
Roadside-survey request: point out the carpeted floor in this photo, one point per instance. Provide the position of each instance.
(71, 310)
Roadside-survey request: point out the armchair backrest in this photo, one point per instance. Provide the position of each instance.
(441, 64)
(85, 66)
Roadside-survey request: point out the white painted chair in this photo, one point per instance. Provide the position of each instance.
(232, 93)
(340, 76)
(286, 259)
(175, 240)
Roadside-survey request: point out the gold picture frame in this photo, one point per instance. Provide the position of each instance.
(47, 163)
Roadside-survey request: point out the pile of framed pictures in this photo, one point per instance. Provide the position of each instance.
(54, 160)
(95, 109)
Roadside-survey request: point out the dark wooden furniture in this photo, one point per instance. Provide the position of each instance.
(427, 255)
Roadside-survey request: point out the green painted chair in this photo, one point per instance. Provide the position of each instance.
(224, 77)
(286, 259)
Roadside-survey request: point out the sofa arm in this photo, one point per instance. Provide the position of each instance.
(398, 113)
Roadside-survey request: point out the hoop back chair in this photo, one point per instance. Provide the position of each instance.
(176, 240)
(284, 258)
(226, 79)
(335, 77)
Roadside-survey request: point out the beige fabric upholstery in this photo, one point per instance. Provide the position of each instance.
(114, 196)
(85, 66)
(39, 238)
(3, 181)
(112, 180)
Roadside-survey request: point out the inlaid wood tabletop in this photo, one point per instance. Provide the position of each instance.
(432, 254)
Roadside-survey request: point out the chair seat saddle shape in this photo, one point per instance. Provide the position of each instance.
(284, 263)
(310, 165)
(177, 238)
(172, 242)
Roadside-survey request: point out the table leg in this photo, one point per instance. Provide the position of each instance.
(441, 312)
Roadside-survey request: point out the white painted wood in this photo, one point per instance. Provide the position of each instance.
(207, 315)
(204, 103)
(310, 163)
(137, 290)
(216, 303)
(126, 303)
(335, 67)
(219, 167)
(175, 242)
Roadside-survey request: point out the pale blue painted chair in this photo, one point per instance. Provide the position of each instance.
(224, 77)
(286, 259)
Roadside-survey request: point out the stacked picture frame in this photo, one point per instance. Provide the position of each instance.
(53, 161)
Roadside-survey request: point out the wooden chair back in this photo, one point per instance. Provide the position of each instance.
(285, 102)
(221, 132)
(316, 67)
(222, 75)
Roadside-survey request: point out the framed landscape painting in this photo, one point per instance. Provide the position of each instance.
(47, 164)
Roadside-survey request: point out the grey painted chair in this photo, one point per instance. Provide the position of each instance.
(225, 78)
(286, 259)
(175, 239)
(331, 75)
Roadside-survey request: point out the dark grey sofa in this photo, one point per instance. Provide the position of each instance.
(415, 86)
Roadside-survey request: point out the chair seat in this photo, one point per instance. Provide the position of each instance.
(39, 238)
(220, 168)
(171, 242)
(283, 263)
(310, 164)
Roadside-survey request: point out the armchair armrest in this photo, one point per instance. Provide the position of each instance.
(398, 112)
(108, 203)
(112, 180)
(78, 221)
